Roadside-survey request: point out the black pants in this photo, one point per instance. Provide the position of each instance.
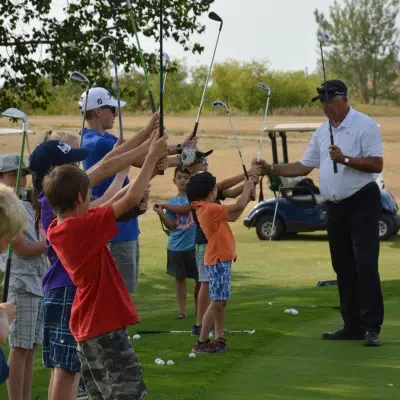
(353, 232)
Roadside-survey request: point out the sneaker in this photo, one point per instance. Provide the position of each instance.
(372, 339)
(81, 391)
(204, 347)
(196, 330)
(220, 345)
(344, 334)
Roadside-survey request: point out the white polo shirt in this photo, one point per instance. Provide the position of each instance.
(357, 136)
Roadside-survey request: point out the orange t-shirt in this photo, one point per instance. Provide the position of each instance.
(213, 220)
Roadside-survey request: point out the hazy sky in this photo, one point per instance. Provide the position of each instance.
(280, 31)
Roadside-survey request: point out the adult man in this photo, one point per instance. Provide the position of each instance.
(354, 208)
(100, 116)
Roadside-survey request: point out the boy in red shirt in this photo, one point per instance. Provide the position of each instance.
(102, 307)
(220, 252)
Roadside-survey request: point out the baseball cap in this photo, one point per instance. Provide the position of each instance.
(98, 97)
(190, 156)
(54, 153)
(10, 162)
(200, 185)
(335, 88)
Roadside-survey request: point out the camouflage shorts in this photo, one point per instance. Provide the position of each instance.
(110, 368)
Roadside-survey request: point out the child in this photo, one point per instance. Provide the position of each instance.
(220, 252)
(102, 307)
(28, 266)
(181, 260)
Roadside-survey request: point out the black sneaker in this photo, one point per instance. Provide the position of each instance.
(81, 391)
(372, 339)
(196, 330)
(344, 334)
(220, 345)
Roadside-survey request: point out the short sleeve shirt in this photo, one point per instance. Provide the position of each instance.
(102, 302)
(182, 238)
(357, 136)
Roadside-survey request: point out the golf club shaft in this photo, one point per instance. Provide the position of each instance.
(263, 129)
(84, 114)
(196, 125)
(161, 76)
(121, 130)
(246, 174)
(335, 170)
(165, 81)
(152, 103)
(303, 305)
(275, 212)
(17, 189)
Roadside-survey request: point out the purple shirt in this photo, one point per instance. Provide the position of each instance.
(56, 276)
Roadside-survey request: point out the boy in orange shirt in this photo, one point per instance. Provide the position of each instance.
(220, 252)
(102, 307)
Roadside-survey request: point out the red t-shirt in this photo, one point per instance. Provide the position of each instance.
(102, 303)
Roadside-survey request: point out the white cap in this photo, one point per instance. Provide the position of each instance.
(98, 97)
(192, 156)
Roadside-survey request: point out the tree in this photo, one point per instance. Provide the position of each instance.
(364, 45)
(41, 45)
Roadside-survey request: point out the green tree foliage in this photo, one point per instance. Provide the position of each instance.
(364, 46)
(40, 46)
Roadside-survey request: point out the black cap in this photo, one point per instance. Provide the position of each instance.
(200, 185)
(54, 153)
(335, 88)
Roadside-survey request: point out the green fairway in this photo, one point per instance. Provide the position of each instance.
(285, 358)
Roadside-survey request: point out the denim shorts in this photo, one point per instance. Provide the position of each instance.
(59, 346)
(219, 276)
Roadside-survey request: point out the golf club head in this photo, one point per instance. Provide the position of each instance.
(264, 86)
(215, 17)
(219, 104)
(14, 113)
(165, 56)
(78, 77)
(323, 37)
(107, 39)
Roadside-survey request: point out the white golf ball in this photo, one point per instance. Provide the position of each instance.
(210, 334)
(156, 360)
(170, 362)
(192, 355)
(161, 362)
(136, 337)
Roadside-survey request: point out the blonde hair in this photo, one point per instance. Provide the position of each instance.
(12, 213)
(63, 136)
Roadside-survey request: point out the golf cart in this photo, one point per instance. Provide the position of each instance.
(298, 205)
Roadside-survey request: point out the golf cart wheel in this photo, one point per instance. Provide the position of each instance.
(386, 227)
(265, 229)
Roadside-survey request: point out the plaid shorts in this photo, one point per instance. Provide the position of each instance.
(59, 346)
(220, 280)
(26, 330)
(110, 367)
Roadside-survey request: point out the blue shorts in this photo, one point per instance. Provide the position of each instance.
(220, 280)
(59, 346)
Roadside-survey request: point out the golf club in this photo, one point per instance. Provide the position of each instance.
(152, 103)
(273, 303)
(267, 88)
(323, 39)
(14, 113)
(275, 212)
(161, 76)
(114, 49)
(150, 332)
(219, 104)
(167, 61)
(78, 77)
(215, 17)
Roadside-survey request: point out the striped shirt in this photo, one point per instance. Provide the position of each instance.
(357, 136)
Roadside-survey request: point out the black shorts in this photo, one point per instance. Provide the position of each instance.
(182, 264)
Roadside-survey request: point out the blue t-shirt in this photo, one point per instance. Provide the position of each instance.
(4, 371)
(100, 146)
(183, 237)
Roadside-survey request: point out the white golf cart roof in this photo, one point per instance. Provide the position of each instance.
(12, 132)
(301, 127)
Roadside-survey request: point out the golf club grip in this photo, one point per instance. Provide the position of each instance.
(6, 280)
(196, 125)
(335, 170)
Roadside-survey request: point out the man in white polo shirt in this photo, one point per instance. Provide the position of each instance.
(354, 208)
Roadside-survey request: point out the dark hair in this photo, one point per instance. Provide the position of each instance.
(181, 169)
(63, 186)
(37, 183)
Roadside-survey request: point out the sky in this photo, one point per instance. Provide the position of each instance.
(283, 32)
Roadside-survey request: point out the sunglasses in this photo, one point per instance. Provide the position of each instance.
(113, 109)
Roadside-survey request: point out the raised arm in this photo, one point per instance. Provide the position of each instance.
(235, 210)
(180, 210)
(288, 170)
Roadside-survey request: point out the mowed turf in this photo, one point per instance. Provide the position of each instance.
(285, 358)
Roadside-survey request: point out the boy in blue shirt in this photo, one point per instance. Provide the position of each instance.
(181, 258)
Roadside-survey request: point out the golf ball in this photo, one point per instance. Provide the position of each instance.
(156, 360)
(161, 362)
(136, 337)
(192, 355)
(210, 334)
(170, 362)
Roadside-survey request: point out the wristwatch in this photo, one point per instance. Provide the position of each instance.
(346, 160)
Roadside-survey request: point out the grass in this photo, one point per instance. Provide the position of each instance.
(284, 359)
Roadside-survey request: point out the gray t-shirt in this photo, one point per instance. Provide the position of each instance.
(27, 273)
